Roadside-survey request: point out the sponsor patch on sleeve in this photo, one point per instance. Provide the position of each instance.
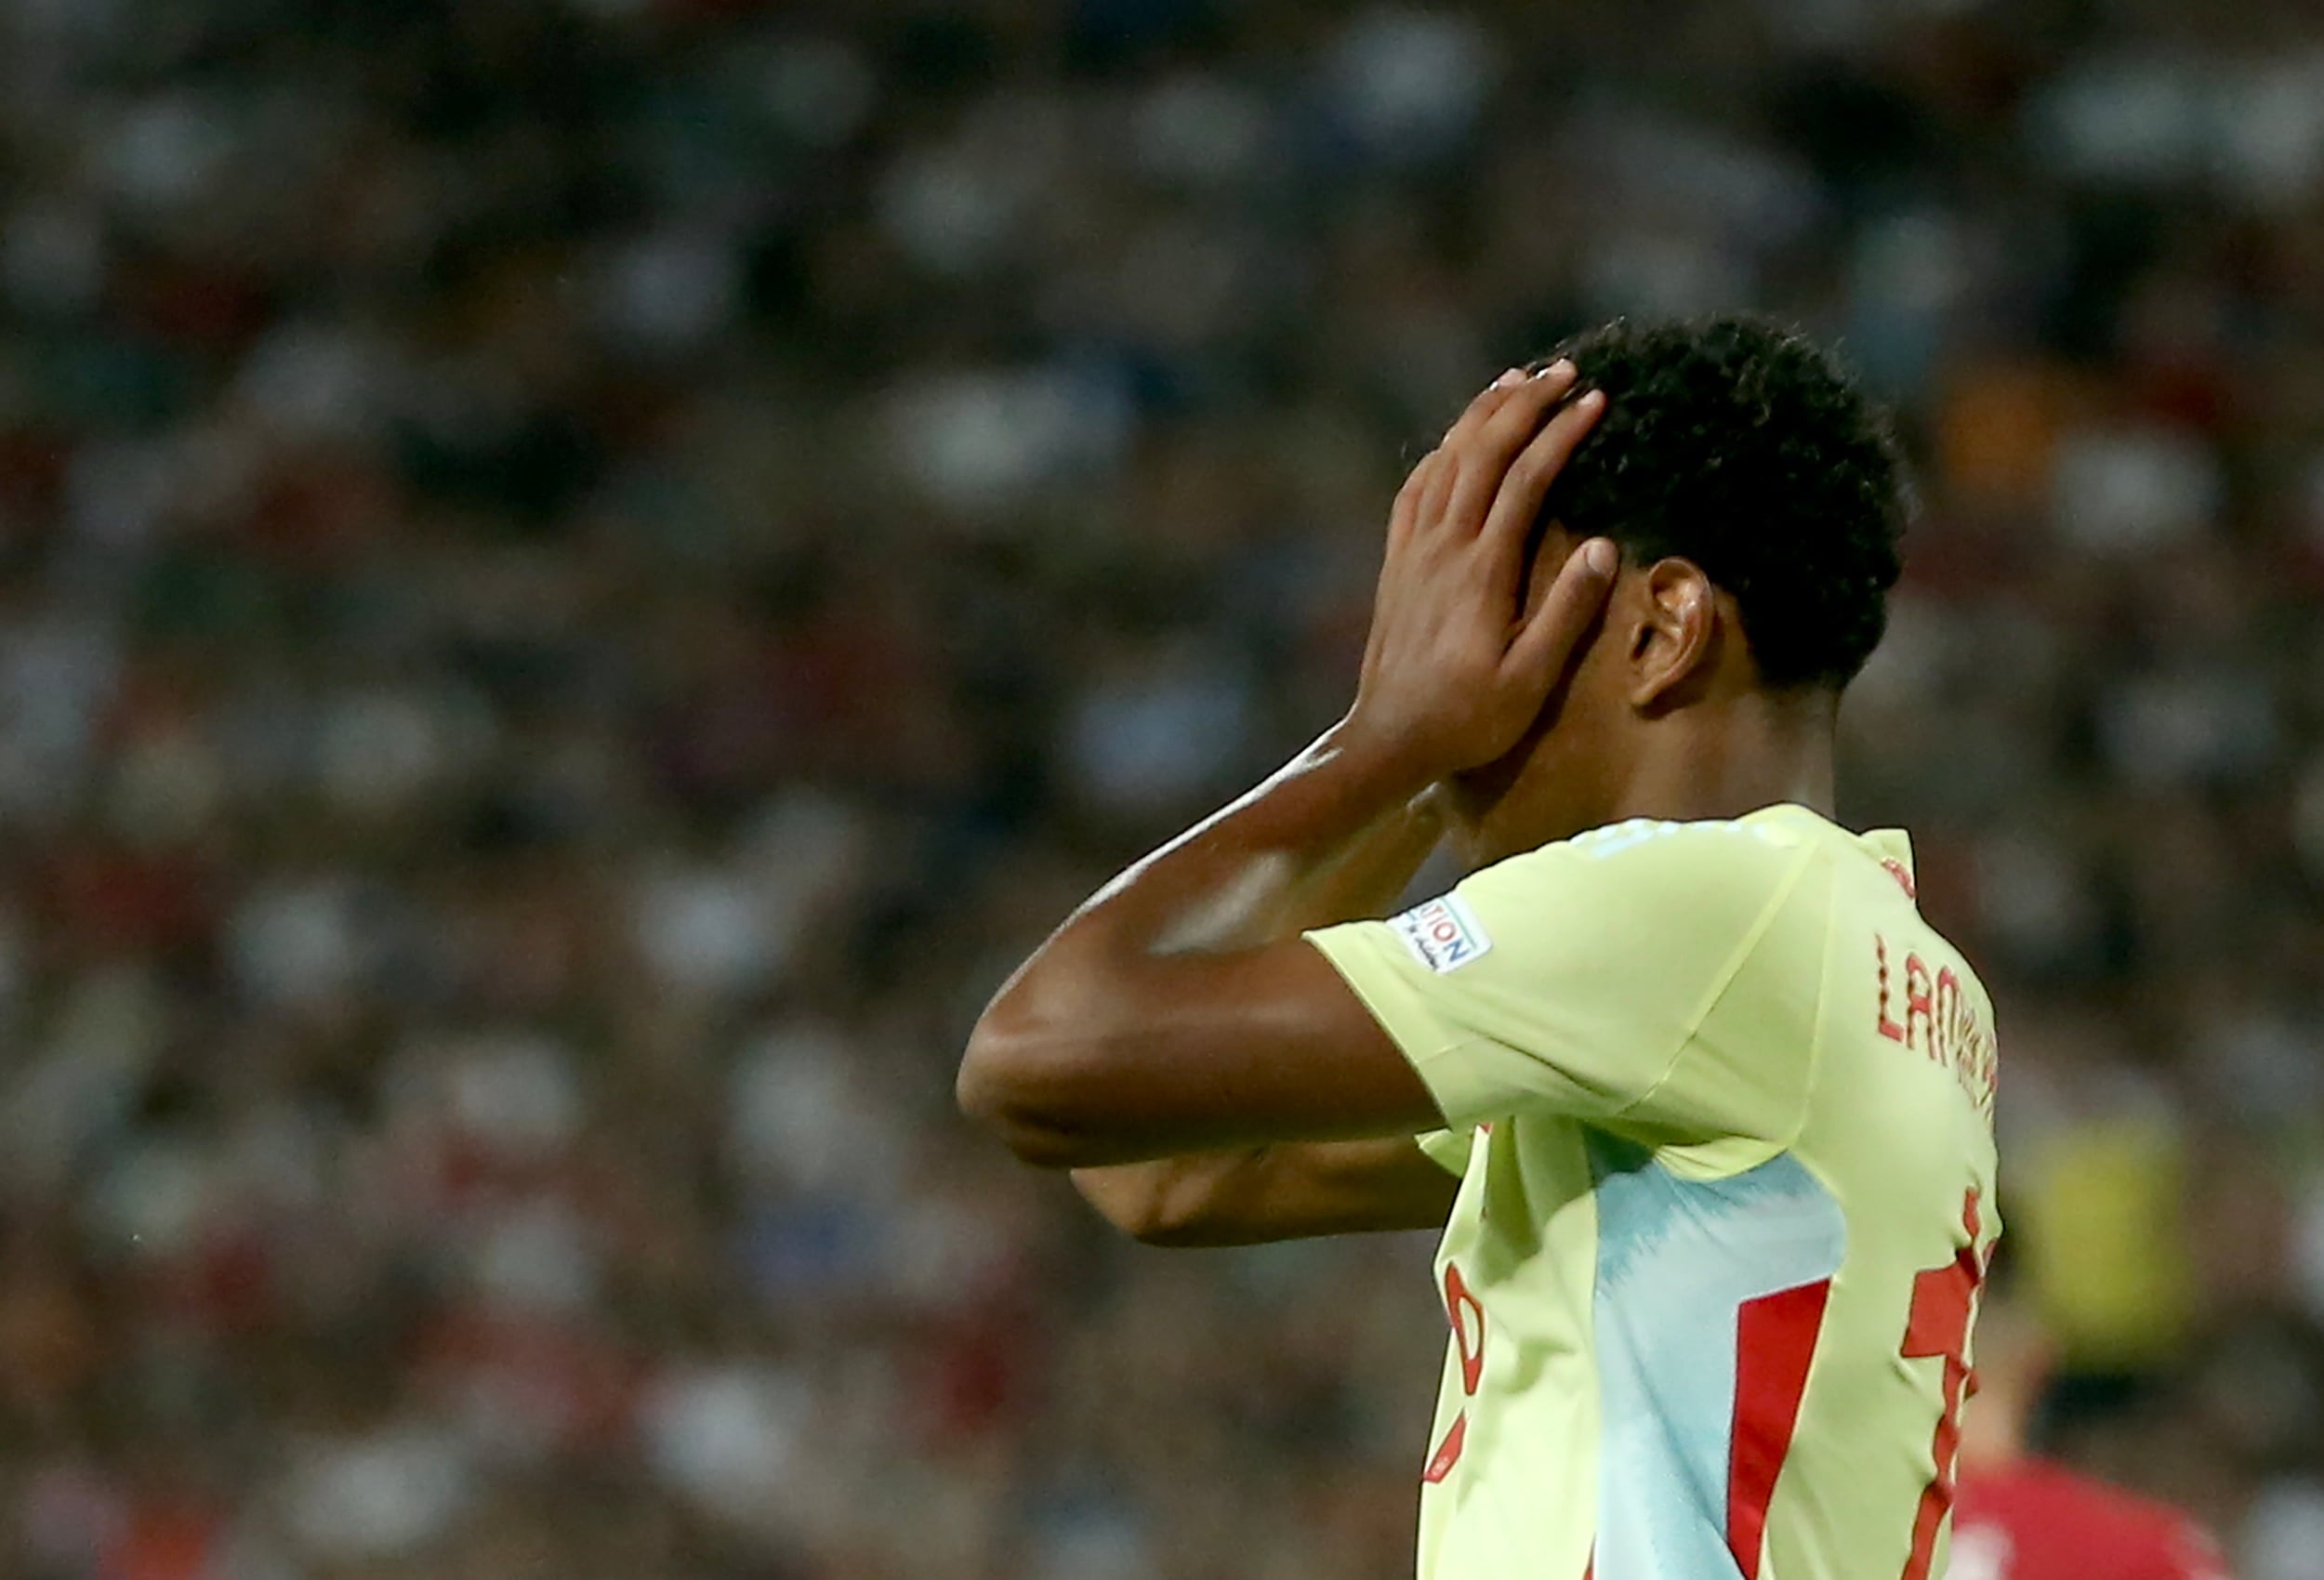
(1444, 934)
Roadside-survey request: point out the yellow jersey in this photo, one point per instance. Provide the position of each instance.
(1722, 1103)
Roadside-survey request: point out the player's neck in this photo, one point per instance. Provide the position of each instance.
(1713, 760)
(1723, 761)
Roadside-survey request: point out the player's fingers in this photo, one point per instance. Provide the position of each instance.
(1406, 510)
(1545, 643)
(1481, 408)
(1486, 454)
(1516, 419)
(1431, 504)
(1434, 489)
(1525, 481)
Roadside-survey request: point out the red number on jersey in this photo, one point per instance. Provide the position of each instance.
(1472, 1354)
(1938, 1325)
(1456, 1296)
(1774, 1344)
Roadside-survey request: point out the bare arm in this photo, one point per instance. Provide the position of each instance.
(1147, 1026)
(1288, 1192)
(1293, 1190)
(1124, 1038)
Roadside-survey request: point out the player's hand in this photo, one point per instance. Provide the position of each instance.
(1459, 667)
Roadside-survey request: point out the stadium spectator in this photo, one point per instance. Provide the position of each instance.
(2021, 1516)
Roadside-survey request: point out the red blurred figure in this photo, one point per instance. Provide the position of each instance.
(2019, 1517)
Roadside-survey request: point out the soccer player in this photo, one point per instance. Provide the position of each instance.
(2023, 1517)
(1703, 1104)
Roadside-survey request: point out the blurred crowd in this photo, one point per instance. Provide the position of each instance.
(579, 577)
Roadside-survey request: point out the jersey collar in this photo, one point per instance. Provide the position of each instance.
(1890, 847)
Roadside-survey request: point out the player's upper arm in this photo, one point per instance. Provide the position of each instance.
(1575, 979)
(1574, 983)
(1188, 1053)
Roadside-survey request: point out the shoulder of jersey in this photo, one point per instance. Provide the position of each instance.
(1710, 837)
(1722, 864)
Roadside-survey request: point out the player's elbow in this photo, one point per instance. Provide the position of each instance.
(1021, 1086)
(1164, 1231)
(1148, 1202)
(1172, 1229)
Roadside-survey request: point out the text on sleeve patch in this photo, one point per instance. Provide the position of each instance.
(1444, 934)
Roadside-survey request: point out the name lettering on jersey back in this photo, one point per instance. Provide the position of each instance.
(1931, 1013)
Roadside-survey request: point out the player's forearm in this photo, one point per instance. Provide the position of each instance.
(1201, 1199)
(1368, 876)
(1253, 1195)
(1289, 1192)
(1335, 835)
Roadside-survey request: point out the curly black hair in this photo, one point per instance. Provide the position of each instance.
(1736, 443)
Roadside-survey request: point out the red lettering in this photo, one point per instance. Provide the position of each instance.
(1918, 1004)
(1448, 1452)
(1941, 1021)
(1889, 1028)
(1937, 1325)
(1471, 1355)
(1456, 1296)
(1775, 1340)
(1988, 1073)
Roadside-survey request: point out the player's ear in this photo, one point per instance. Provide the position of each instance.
(1674, 633)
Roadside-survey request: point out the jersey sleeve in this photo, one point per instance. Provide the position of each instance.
(1448, 1150)
(1575, 979)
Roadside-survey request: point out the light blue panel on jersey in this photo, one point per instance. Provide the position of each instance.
(1677, 1258)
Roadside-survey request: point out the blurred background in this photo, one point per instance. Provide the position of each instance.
(578, 578)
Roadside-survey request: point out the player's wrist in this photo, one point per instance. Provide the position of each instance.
(1387, 766)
